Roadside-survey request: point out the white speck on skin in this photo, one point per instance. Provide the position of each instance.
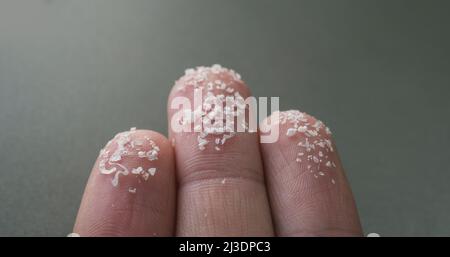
(189, 71)
(152, 171)
(315, 159)
(137, 170)
(302, 129)
(291, 132)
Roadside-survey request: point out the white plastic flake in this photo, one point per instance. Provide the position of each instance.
(137, 170)
(152, 171)
(290, 132)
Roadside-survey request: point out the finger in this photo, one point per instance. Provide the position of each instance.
(308, 191)
(221, 183)
(131, 190)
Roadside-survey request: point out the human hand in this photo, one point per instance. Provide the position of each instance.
(221, 184)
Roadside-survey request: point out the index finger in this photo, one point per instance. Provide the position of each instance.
(131, 190)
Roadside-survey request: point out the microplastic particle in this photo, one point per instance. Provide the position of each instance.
(290, 132)
(152, 171)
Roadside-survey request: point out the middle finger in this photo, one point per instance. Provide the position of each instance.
(221, 189)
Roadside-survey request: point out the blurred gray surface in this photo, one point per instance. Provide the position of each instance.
(74, 73)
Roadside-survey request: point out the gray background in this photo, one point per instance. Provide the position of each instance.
(74, 73)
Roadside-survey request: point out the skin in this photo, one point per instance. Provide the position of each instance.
(245, 189)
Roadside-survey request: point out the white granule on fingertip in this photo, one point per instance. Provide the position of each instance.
(137, 170)
(223, 181)
(290, 132)
(152, 171)
(132, 190)
(189, 72)
(73, 235)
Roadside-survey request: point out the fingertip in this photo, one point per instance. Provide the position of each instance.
(131, 190)
(213, 77)
(188, 97)
(304, 160)
(294, 124)
(134, 156)
(305, 140)
(218, 162)
(164, 144)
